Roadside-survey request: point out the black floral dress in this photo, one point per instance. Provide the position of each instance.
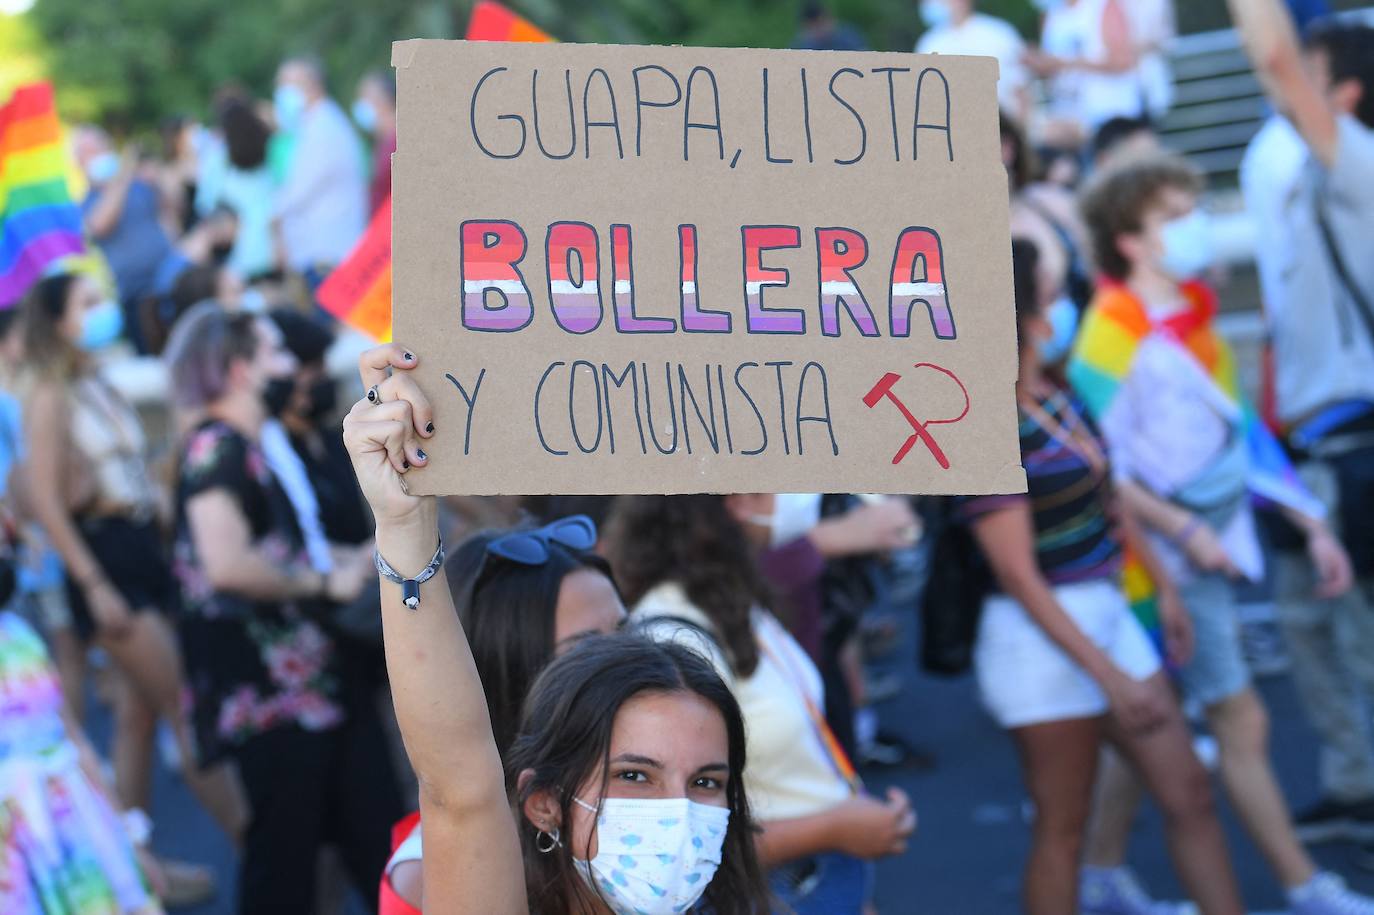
(252, 666)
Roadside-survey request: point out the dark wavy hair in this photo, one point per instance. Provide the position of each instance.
(565, 739)
(508, 611)
(695, 542)
(245, 134)
(1349, 51)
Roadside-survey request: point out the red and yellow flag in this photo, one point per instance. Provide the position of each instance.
(493, 22)
(358, 292)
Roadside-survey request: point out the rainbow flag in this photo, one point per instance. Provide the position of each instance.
(358, 292)
(1113, 328)
(38, 221)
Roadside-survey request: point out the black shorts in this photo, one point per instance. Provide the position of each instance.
(131, 556)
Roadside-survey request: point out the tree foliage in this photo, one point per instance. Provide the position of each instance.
(133, 62)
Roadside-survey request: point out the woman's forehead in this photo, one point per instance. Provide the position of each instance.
(681, 730)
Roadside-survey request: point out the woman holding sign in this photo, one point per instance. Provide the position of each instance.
(524, 597)
(627, 773)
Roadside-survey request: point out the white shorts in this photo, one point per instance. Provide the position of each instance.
(1026, 679)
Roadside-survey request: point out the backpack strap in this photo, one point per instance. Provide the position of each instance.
(1363, 308)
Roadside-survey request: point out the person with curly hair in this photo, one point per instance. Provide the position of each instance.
(687, 565)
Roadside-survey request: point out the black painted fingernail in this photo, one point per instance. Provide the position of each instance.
(408, 357)
(419, 453)
(429, 428)
(405, 464)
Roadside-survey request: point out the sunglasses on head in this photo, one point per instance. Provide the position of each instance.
(531, 548)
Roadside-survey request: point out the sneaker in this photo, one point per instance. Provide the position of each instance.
(1331, 820)
(889, 751)
(1327, 894)
(1208, 752)
(1115, 891)
(882, 687)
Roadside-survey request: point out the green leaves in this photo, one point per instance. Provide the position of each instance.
(132, 63)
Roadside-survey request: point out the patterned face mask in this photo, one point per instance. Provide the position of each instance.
(654, 856)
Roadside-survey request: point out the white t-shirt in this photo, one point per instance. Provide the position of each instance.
(790, 773)
(322, 202)
(1323, 351)
(1153, 26)
(1074, 32)
(982, 35)
(1268, 178)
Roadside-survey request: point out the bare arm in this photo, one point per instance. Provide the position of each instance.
(873, 527)
(235, 565)
(104, 216)
(1156, 513)
(1270, 39)
(472, 861)
(863, 826)
(1191, 533)
(46, 432)
(1116, 38)
(1121, 52)
(787, 840)
(1173, 617)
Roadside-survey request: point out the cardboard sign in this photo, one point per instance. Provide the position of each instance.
(666, 269)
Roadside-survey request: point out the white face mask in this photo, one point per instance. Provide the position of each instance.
(794, 514)
(1187, 245)
(654, 856)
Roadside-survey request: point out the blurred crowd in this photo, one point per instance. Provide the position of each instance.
(213, 577)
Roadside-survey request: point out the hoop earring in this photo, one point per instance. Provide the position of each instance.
(552, 839)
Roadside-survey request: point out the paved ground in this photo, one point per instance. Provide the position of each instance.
(967, 857)
(972, 841)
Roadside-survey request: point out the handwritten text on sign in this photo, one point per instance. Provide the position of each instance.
(634, 269)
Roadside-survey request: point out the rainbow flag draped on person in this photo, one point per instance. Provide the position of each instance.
(39, 223)
(1113, 329)
(358, 292)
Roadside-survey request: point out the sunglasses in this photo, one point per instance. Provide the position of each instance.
(531, 548)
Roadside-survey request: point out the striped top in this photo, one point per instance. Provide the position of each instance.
(1074, 538)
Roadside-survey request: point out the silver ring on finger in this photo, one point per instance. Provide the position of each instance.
(374, 396)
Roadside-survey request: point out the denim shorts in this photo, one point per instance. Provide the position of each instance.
(1217, 669)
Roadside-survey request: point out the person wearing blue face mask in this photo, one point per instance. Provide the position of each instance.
(122, 214)
(88, 484)
(374, 111)
(627, 773)
(1062, 317)
(1189, 457)
(1307, 183)
(321, 207)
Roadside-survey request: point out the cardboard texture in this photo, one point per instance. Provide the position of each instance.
(664, 269)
